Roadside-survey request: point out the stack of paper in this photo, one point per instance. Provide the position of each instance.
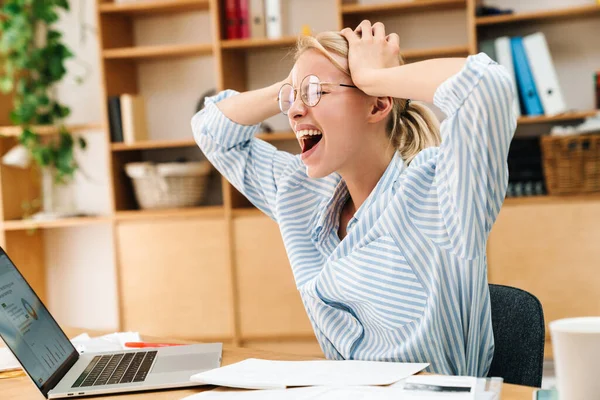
(264, 374)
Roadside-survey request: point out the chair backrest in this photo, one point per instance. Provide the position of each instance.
(519, 336)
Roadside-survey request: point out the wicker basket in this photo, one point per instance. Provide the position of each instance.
(572, 163)
(169, 185)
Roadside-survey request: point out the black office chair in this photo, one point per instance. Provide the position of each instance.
(519, 335)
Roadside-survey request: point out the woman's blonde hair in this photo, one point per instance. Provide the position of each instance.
(412, 126)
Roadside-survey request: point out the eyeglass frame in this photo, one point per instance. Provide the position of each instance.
(295, 91)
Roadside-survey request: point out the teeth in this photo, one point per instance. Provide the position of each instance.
(308, 132)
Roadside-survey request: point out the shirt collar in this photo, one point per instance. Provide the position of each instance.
(329, 216)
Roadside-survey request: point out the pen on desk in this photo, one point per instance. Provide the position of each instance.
(436, 388)
(140, 345)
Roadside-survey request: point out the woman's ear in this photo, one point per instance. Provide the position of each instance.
(380, 108)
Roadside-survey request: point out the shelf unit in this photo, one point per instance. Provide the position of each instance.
(188, 248)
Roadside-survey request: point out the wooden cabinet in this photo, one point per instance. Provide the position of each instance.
(174, 278)
(269, 303)
(552, 250)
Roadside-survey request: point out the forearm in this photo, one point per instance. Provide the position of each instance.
(252, 107)
(415, 81)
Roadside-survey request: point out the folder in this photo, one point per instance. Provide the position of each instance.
(489, 48)
(275, 18)
(525, 82)
(244, 18)
(544, 74)
(257, 19)
(503, 53)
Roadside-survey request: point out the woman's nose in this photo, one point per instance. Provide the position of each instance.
(298, 109)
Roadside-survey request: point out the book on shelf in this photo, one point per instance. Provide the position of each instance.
(133, 118)
(232, 18)
(114, 119)
(597, 86)
(127, 119)
(244, 18)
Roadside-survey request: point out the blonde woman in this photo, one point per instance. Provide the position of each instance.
(385, 225)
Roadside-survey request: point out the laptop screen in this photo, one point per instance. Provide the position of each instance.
(28, 329)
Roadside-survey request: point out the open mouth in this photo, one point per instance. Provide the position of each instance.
(308, 139)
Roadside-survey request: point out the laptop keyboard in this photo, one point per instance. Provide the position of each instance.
(116, 368)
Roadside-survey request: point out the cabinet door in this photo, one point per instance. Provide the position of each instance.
(175, 278)
(270, 305)
(553, 252)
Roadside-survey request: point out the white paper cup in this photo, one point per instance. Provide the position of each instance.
(576, 348)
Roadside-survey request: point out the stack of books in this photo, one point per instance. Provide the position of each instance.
(127, 119)
(529, 62)
(246, 19)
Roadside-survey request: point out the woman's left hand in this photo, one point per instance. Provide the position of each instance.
(370, 50)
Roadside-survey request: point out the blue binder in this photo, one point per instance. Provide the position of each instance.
(527, 89)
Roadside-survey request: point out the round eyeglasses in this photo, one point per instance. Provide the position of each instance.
(310, 92)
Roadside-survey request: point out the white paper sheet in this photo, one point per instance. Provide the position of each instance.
(8, 362)
(264, 374)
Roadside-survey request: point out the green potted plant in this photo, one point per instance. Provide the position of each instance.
(32, 61)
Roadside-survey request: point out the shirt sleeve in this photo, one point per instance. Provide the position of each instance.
(253, 166)
(471, 173)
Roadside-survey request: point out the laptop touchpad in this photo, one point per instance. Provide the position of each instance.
(184, 362)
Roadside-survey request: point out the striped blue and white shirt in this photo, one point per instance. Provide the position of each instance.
(408, 283)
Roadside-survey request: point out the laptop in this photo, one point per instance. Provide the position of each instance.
(59, 371)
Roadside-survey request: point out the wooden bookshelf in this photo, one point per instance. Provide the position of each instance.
(20, 225)
(158, 52)
(204, 211)
(404, 6)
(542, 16)
(156, 7)
(258, 43)
(557, 118)
(49, 130)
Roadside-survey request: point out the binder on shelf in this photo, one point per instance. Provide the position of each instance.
(525, 82)
(257, 19)
(114, 119)
(503, 52)
(597, 83)
(232, 17)
(544, 74)
(244, 16)
(133, 118)
(275, 18)
(489, 48)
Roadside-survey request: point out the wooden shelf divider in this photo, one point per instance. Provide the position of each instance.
(154, 7)
(570, 116)
(49, 130)
(545, 15)
(26, 224)
(258, 43)
(202, 211)
(158, 52)
(406, 6)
